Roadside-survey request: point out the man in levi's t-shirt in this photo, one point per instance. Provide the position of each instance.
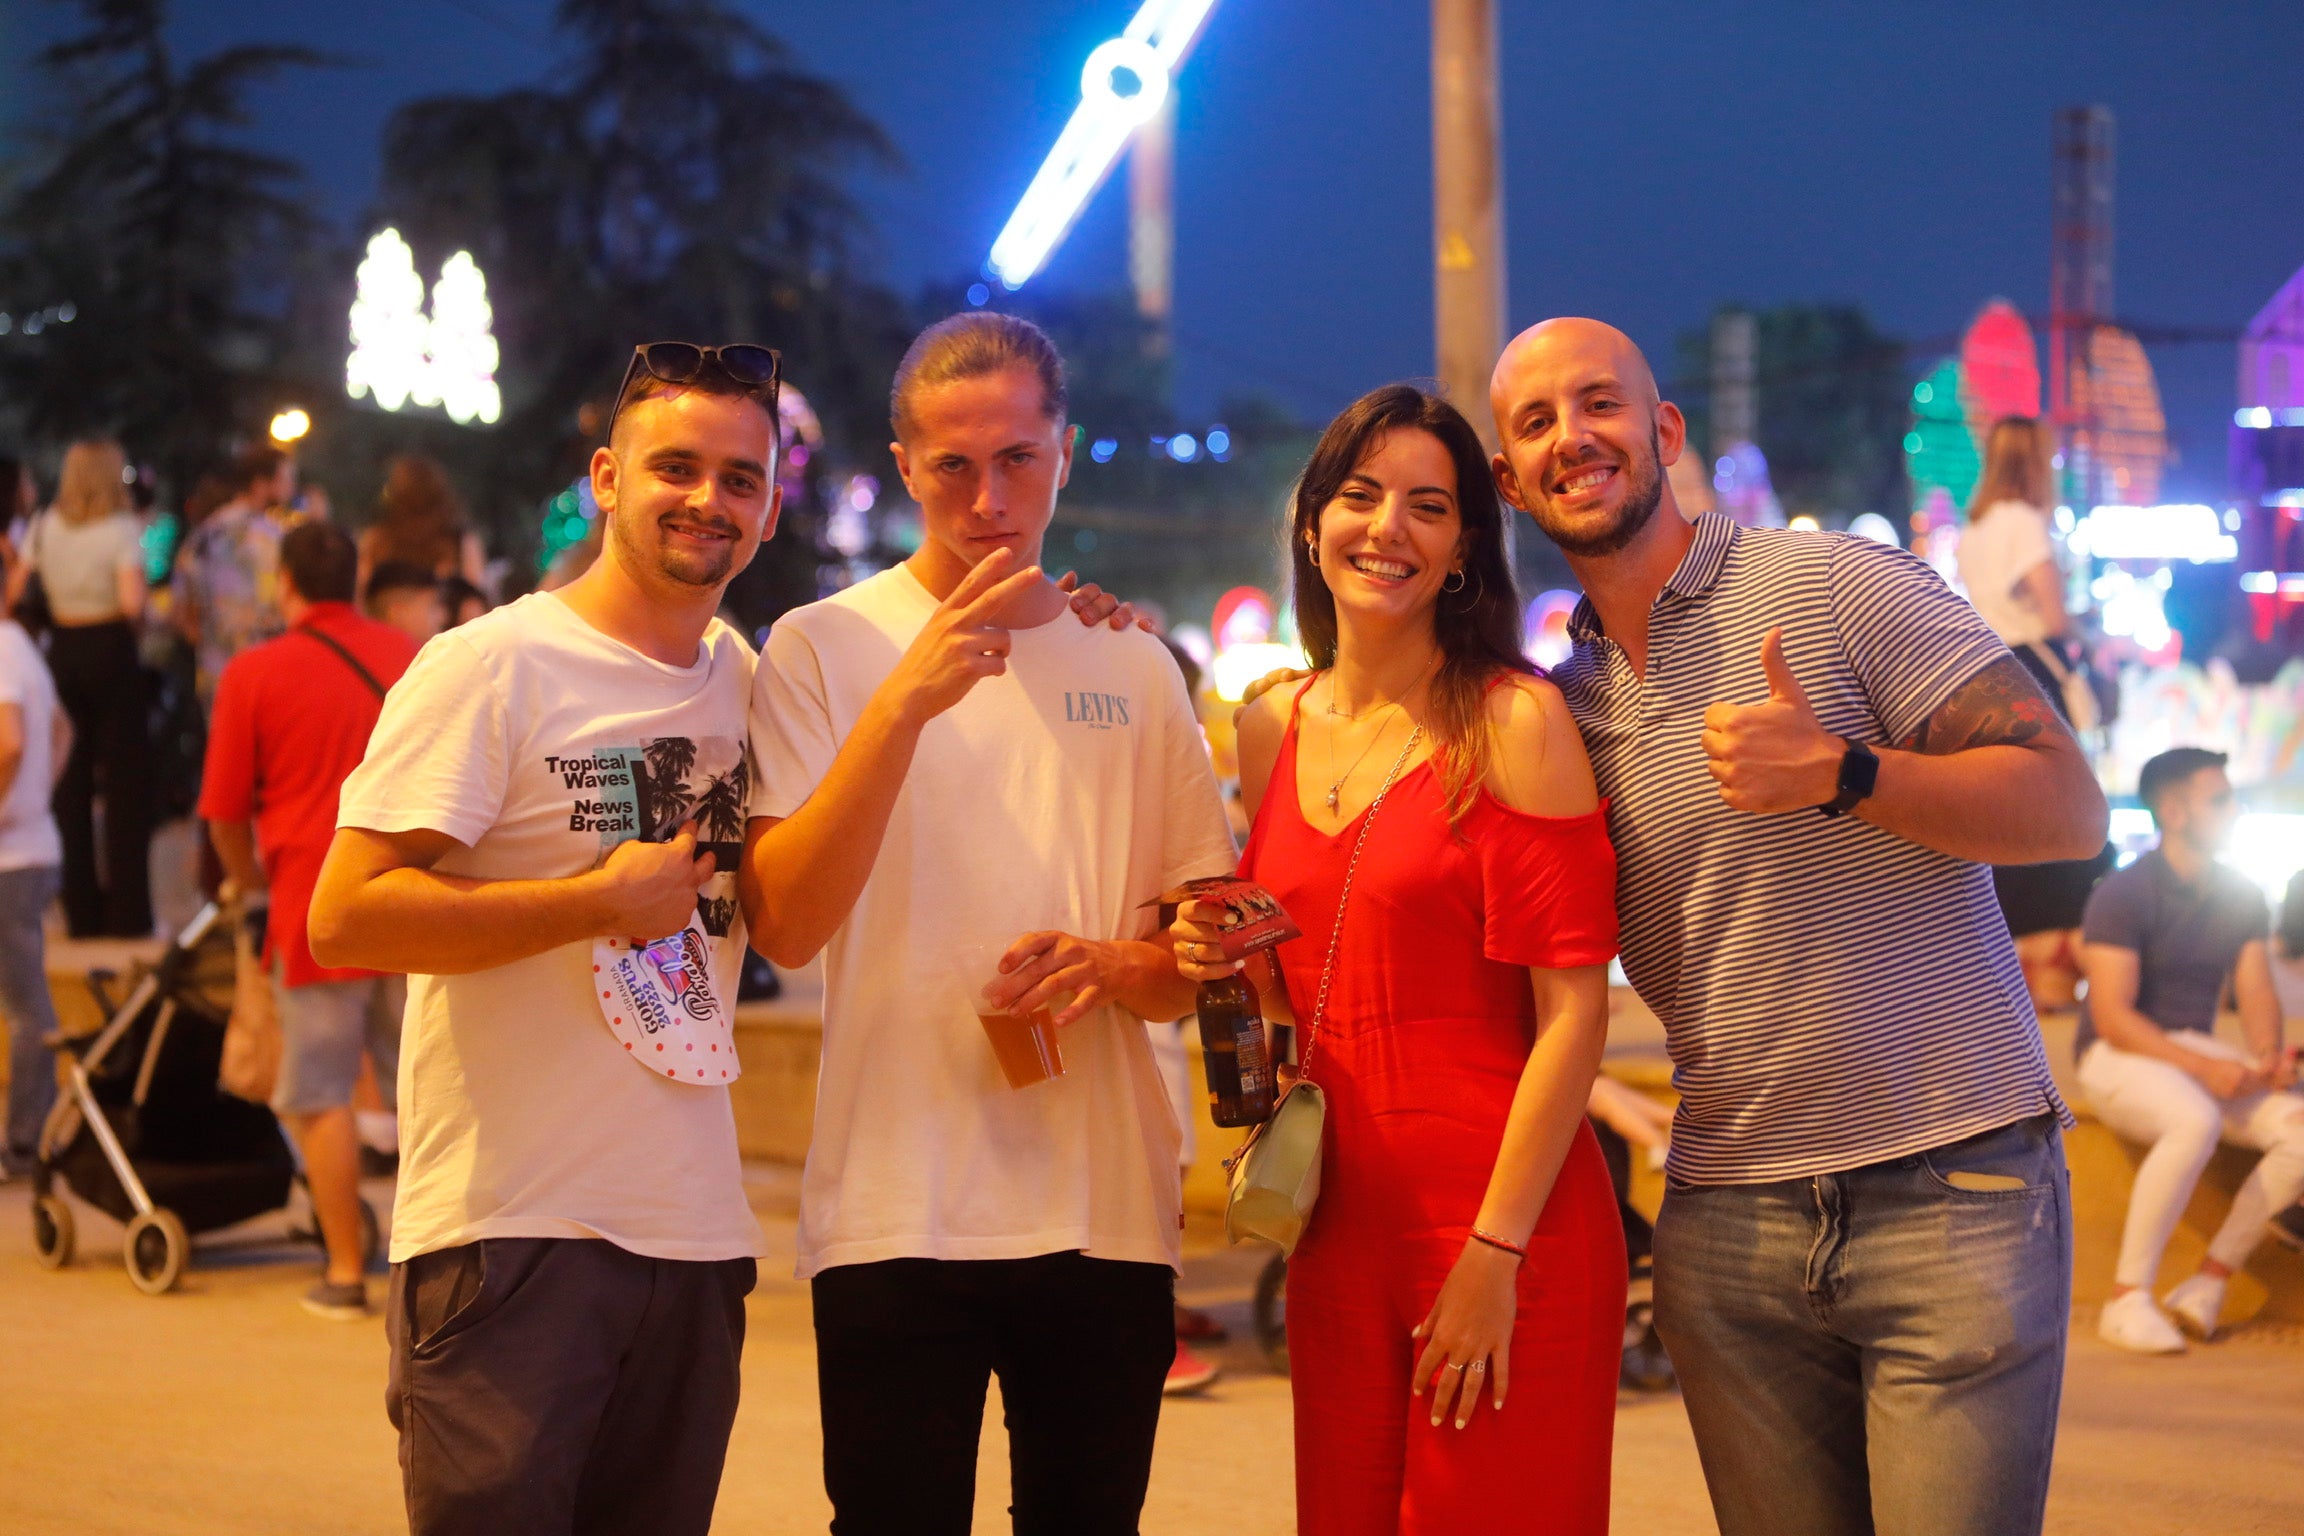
(951, 780)
(548, 785)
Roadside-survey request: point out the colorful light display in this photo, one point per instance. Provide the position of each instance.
(2123, 441)
(1999, 369)
(401, 356)
(389, 331)
(1122, 86)
(1939, 453)
(460, 344)
(2272, 355)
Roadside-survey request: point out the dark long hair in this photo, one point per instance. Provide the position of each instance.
(1477, 627)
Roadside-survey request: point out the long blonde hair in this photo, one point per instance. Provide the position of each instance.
(93, 483)
(2018, 466)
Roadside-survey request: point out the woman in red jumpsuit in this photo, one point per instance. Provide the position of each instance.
(1456, 1306)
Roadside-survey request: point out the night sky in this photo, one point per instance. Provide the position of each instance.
(1660, 158)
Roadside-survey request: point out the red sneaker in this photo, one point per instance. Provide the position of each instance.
(1189, 1373)
(1197, 1327)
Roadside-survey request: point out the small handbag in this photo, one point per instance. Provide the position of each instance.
(1275, 1176)
(2076, 692)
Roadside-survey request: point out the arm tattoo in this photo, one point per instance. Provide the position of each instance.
(2000, 706)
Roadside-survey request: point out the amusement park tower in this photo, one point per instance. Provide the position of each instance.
(2102, 399)
(2079, 270)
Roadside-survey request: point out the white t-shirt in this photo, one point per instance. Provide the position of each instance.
(80, 564)
(540, 743)
(1060, 795)
(28, 837)
(1997, 551)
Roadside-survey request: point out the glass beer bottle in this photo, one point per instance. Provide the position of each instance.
(1241, 1085)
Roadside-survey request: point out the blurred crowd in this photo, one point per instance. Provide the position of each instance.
(137, 608)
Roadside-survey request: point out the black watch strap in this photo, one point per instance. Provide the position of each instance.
(1859, 776)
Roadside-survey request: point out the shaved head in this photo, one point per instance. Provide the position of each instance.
(1575, 335)
(1585, 437)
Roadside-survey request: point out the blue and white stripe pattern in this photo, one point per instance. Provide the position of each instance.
(1832, 994)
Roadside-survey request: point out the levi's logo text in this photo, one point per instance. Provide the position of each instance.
(1097, 711)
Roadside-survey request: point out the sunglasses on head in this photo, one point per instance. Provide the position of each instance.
(758, 369)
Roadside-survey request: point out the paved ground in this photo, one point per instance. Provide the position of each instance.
(223, 1408)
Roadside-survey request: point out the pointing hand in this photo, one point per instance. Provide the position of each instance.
(1775, 756)
(963, 642)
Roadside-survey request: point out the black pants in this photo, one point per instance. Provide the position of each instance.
(100, 683)
(904, 1352)
(553, 1386)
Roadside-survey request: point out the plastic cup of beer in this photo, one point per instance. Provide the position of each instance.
(1026, 1044)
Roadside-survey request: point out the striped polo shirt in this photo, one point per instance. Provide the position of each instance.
(1832, 994)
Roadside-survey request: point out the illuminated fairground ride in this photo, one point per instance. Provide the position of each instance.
(1124, 89)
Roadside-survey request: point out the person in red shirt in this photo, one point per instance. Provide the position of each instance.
(290, 722)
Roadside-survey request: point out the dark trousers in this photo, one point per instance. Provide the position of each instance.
(905, 1350)
(100, 683)
(562, 1385)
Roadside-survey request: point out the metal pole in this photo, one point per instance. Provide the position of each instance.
(1152, 222)
(1467, 205)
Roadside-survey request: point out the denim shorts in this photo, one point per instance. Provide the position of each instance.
(324, 1029)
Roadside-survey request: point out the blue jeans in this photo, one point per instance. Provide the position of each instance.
(1880, 1350)
(31, 1014)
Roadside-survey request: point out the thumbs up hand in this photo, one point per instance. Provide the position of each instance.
(1773, 757)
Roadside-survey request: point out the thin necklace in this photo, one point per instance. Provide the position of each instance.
(1336, 788)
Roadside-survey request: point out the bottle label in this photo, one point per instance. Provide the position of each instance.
(1255, 1061)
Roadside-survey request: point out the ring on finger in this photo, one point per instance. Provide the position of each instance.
(1479, 1365)
(1453, 1366)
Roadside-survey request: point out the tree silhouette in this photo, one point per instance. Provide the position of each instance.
(169, 240)
(720, 809)
(676, 178)
(664, 774)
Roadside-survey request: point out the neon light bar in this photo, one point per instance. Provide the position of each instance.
(2261, 416)
(1150, 49)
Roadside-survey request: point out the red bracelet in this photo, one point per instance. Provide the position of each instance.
(1493, 1241)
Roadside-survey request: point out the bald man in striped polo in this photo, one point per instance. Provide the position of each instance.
(1812, 750)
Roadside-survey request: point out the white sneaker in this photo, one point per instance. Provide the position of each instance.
(2135, 1322)
(2197, 1304)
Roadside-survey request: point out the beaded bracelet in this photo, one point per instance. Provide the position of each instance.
(1493, 1241)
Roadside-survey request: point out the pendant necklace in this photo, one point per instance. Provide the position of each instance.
(1336, 788)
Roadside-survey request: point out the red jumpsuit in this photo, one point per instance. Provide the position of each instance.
(1429, 1023)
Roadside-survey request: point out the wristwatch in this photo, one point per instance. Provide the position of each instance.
(1859, 773)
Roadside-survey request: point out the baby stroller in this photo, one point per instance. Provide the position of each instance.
(145, 1135)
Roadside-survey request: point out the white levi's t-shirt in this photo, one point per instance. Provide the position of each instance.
(539, 743)
(1062, 794)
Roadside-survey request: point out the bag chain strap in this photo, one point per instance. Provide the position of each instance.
(1343, 899)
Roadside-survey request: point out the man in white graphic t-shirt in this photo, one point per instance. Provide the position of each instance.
(955, 790)
(550, 806)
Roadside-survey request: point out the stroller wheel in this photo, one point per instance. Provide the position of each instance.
(156, 1250)
(52, 1231)
(1271, 1315)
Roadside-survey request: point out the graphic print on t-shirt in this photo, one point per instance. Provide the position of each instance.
(650, 790)
(669, 998)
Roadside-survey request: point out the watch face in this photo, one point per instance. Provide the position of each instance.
(1859, 771)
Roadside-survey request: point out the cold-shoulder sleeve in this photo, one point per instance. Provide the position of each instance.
(1548, 886)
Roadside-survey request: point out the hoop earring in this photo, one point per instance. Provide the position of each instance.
(1458, 575)
(1312, 553)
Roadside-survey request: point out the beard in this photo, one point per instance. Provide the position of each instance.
(645, 546)
(1645, 493)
